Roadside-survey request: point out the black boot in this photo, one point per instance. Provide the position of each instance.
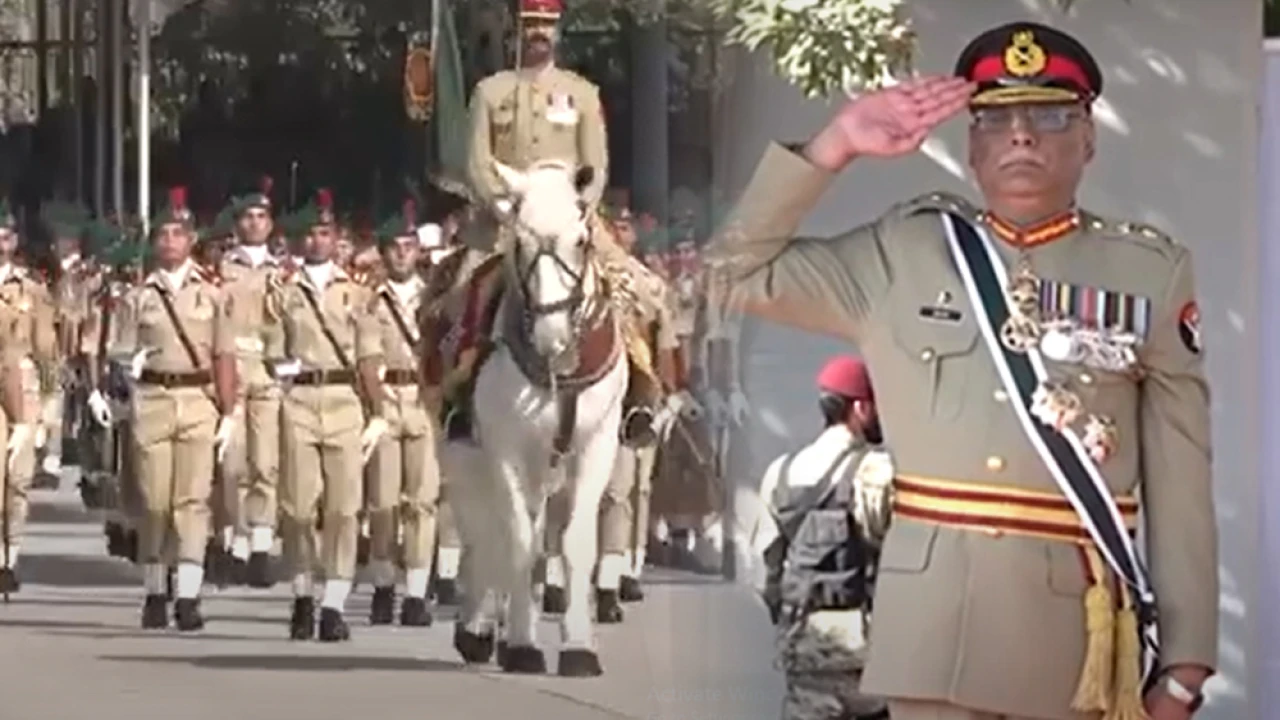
(382, 611)
(446, 591)
(131, 545)
(414, 613)
(155, 612)
(363, 547)
(258, 571)
(553, 600)
(237, 571)
(333, 627)
(629, 590)
(608, 609)
(186, 615)
(302, 623)
(637, 427)
(117, 540)
(9, 582)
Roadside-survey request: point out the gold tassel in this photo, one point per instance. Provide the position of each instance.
(1128, 703)
(1093, 694)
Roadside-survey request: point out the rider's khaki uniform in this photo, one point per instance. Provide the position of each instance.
(406, 479)
(252, 461)
(321, 418)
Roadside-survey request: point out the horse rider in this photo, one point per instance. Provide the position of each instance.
(331, 418)
(30, 351)
(1038, 367)
(252, 463)
(519, 117)
(180, 351)
(73, 283)
(817, 541)
(405, 477)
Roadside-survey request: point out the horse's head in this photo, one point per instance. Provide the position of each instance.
(551, 252)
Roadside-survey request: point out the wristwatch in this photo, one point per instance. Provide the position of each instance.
(1183, 694)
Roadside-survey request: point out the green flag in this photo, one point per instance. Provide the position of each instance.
(452, 125)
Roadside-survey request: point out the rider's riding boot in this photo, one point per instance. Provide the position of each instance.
(637, 410)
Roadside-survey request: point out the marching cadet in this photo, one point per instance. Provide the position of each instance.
(405, 483)
(252, 464)
(316, 319)
(1031, 358)
(624, 509)
(520, 117)
(74, 276)
(175, 338)
(30, 351)
(817, 541)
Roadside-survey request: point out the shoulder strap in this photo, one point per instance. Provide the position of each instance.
(1062, 451)
(396, 317)
(815, 497)
(324, 327)
(167, 301)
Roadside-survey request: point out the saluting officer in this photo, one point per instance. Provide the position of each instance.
(316, 317)
(174, 336)
(30, 352)
(405, 484)
(253, 459)
(1031, 358)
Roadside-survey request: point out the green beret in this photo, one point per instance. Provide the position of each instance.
(402, 224)
(175, 210)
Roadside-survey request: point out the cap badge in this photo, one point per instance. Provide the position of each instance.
(1023, 57)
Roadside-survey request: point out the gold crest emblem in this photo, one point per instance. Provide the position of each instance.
(1023, 57)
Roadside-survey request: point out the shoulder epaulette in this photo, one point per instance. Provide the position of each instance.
(1131, 230)
(208, 274)
(936, 201)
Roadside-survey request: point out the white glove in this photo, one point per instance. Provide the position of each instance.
(689, 405)
(373, 432)
(139, 361)
(18, 436)
(739, 408)
(222, 436)
(100, 409)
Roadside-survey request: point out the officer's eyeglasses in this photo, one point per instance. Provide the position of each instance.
(1038, 118)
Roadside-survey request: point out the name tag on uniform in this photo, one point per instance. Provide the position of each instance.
(936, 313)
(560, 109)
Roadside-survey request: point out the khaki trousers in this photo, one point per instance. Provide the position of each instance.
(404, 488)
(173, 434)
(624, 509)
(251, 468)
(322, 479)
(920, 710)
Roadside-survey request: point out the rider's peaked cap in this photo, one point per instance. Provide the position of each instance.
(1026, 62)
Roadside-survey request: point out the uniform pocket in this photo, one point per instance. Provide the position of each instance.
(908, 547)
(938, 357)
(1066, 570)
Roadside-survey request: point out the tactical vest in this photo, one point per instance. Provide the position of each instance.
(822, 562)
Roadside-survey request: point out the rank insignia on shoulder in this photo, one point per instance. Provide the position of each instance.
(1189, 327)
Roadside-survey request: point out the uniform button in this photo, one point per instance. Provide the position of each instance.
(1086, 379)
(926, 354)
(1001, 396)
(995, 463)
(993, 532)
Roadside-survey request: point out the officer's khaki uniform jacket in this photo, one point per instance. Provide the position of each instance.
(957, 610)
(247, 287)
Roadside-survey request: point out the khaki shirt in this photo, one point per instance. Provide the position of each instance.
(27, 315)
(955, 606)
(247, 286)
(72, 296)
(387, 340)
(657, 306)
(519, 117)
(200, 306)
(295, 332)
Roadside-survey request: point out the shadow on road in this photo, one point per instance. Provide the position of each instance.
(78, 571)
(59, 514)
(63, 625)
(117, 633)
(291, 663)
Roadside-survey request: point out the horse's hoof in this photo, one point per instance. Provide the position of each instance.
(523, 659)
(553, 600)
(608, 609)
(475, 649)
(579, 663)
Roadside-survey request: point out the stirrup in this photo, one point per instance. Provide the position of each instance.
(637, 427)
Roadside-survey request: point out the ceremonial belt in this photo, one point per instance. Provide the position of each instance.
(997, 510)
(1077, 476)
(324, 377)
(175, 379)
(400, 377)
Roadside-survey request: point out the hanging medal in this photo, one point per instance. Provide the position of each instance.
(1100, 437)
(1054, 405)
(1021, 331)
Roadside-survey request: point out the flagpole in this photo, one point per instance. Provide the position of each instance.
(432, 142)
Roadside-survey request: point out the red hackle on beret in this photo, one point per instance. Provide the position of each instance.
(846, 376)
(265, 184)
(178, 198)
(324, 198)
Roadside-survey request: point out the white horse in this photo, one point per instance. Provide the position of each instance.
(547, 409)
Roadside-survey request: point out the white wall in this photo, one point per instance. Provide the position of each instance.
(1177, 149)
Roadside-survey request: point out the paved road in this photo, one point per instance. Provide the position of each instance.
(70, 648)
